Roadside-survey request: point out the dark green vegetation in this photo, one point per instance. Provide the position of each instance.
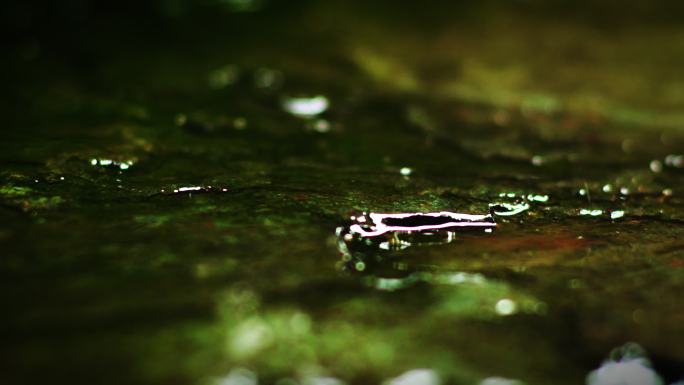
(109, 276)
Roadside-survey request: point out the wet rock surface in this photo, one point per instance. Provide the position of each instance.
(173, 177)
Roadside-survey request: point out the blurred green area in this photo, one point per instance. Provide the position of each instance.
(168, 216)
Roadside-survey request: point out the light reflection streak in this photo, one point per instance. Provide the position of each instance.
(452, 220)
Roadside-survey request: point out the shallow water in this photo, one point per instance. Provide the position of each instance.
(173, 177)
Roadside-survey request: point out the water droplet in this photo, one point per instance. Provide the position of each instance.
(320, 125)
(656, 166)
(240, 123)
(223, 77)
(674, 160)
(267, 78)
(306, 107)
(505, 307)
(617, 214)
(181, 119)
(538, 198)
(537, 160)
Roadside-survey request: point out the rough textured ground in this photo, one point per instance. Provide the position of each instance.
(166, 218)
